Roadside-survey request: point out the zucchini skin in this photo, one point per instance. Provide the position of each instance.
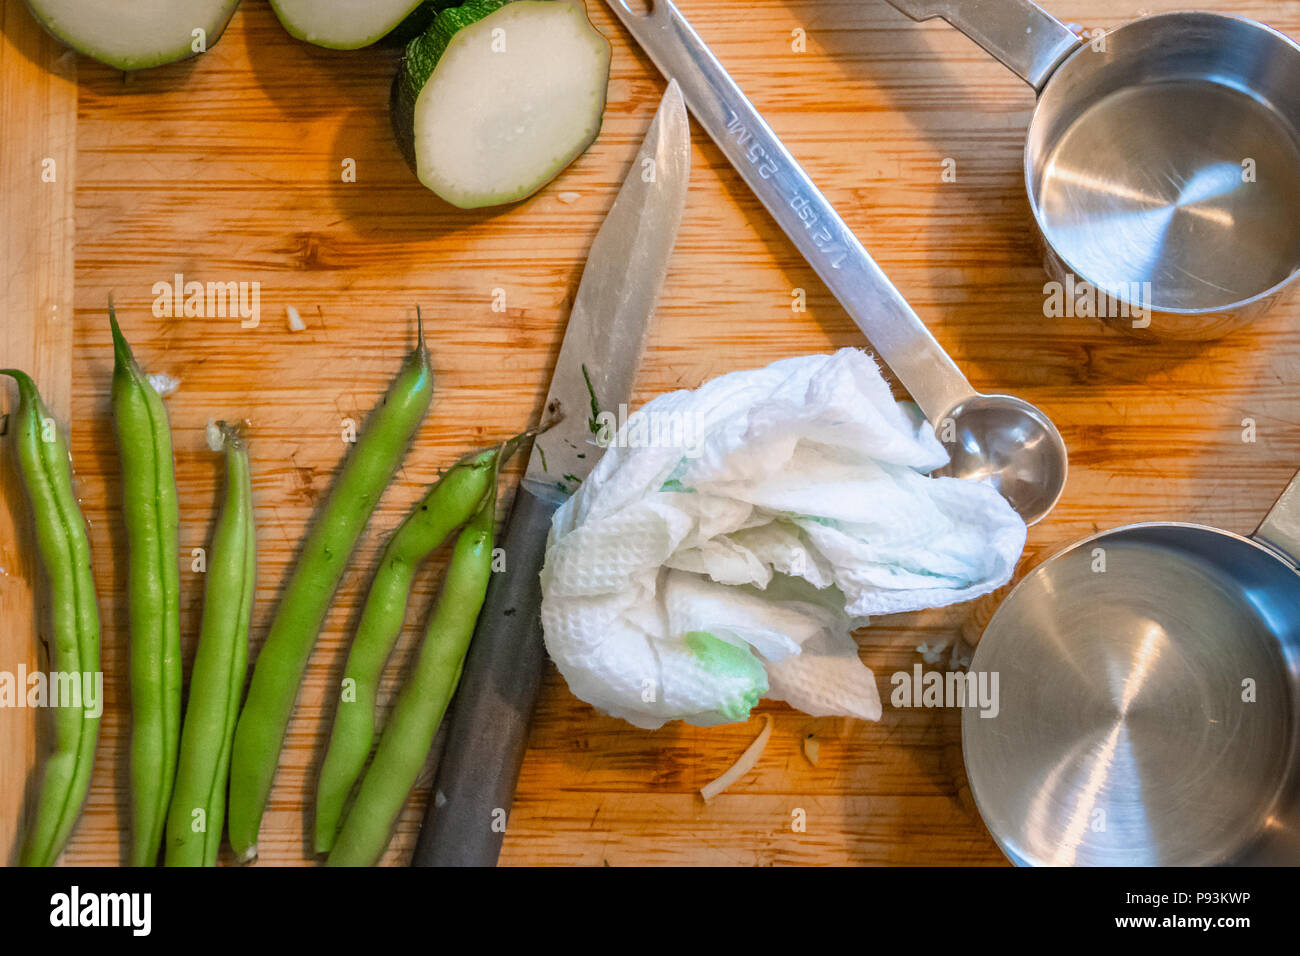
(416, 22)
(418, 63)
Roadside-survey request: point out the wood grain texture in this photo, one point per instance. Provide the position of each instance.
(228, 168)
(38, 116)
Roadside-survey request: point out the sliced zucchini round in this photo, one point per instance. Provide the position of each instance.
(497, 97)
(342, 24)
(135, 34)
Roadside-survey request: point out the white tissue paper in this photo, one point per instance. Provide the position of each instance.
(732, 537)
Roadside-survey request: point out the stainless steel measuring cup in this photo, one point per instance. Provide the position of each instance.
(1000, 439)
(1162, 161)
(1148, 700)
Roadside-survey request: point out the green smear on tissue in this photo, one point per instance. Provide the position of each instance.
(726, 661)
(674, 480)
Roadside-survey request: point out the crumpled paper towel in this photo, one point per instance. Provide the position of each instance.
(731, 538)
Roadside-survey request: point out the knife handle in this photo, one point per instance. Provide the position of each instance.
(488, 726)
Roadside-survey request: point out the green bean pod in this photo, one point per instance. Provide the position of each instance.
(451, 502)
(198, 807)
(421, 703)
(149, 507)
(63, 550)
(306, 598)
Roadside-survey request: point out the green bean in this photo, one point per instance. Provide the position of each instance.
(63, 550)
(278, 672)
(406, 740)
(449, 503)
(220, 665)
(153, 596)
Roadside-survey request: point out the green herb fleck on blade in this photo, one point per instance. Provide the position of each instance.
(592, 422)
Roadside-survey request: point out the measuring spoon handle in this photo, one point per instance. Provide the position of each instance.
(1027, 39)
(899, 336)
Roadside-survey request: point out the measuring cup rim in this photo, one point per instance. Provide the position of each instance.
(1036, 210)
(1082, 46)
(998, 838)
(1119, 529)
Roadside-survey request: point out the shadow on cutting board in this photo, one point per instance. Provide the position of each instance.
(340, 101)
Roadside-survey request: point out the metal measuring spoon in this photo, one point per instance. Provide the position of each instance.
(999, 439)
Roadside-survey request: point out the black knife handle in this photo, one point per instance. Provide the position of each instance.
(488, 726)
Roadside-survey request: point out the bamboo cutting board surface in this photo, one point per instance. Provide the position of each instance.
(38, 116)
(231, 168)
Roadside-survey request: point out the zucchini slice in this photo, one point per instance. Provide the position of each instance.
(135, 34)
(497, 97)
(342, 24)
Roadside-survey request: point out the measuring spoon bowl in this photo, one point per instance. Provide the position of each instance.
(1010, 444)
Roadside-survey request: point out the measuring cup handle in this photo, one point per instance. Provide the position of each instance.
(1026, 38)
(1280, 529)
(899, 336)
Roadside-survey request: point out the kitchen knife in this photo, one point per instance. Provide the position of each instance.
(488, 727)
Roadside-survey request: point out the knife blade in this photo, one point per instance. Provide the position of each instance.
(487, 731)
(605, 337)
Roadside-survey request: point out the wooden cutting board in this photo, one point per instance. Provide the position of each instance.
(232, 168)
(38, 116)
